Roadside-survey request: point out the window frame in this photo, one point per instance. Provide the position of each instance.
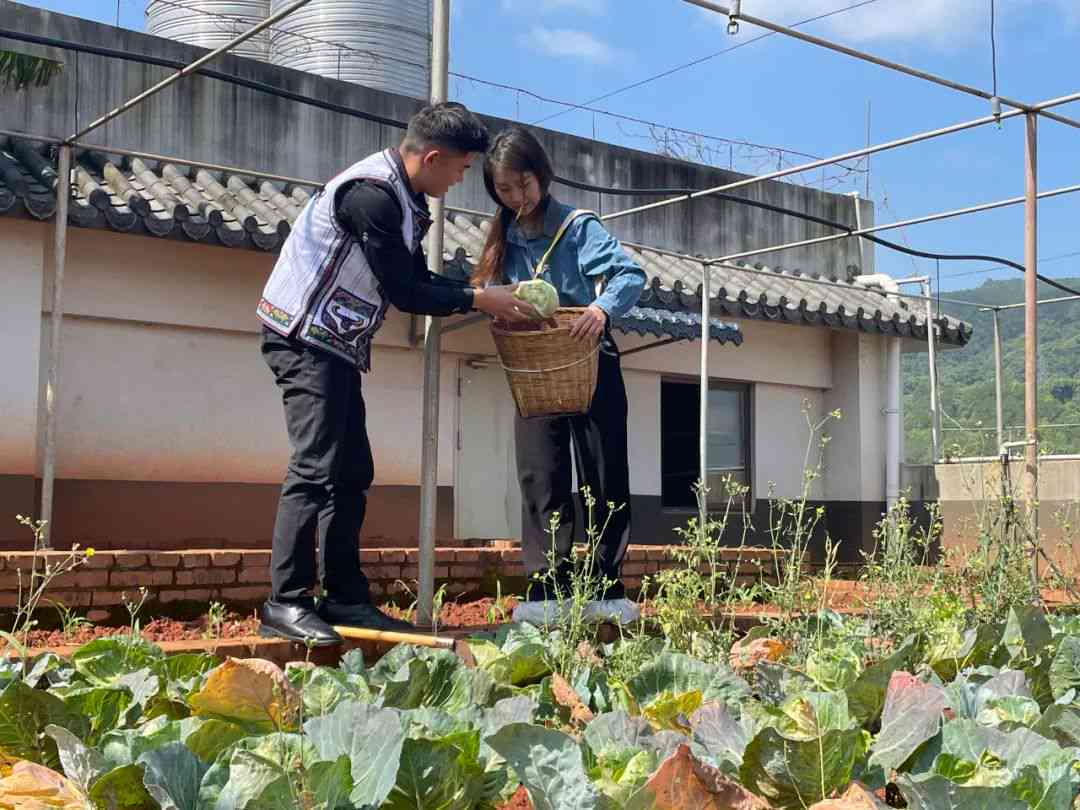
(748, 389)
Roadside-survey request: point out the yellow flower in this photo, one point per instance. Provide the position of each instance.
(90, 551)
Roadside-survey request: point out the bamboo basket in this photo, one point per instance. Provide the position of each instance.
(549, 372)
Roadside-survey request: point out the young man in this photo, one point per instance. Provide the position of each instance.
(355, 250)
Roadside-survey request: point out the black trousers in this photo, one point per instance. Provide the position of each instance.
(330, 470)
(597, 443)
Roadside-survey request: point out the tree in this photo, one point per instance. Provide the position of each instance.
(19, 71)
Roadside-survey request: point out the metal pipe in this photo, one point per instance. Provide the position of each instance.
(56, 322)
(999, 419)
(429, 460)
(892, 424)
(869, 150)
(1038, 303)
(876, 60)
(703, 403)
(935, 415)
(860, 231)
(1031, 337)
(194, 66)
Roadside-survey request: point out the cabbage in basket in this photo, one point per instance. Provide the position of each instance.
(540, 294)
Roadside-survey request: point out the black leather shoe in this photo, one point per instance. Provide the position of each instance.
(360, 615)
(296, 622)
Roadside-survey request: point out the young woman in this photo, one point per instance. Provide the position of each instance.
(589, 269)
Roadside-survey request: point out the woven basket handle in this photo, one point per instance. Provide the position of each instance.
(577, 212)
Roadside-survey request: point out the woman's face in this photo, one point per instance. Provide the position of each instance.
(518, 191)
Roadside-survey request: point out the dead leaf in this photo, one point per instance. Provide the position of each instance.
(857, 797)
(30, 786)
(746, 654)
(683, 782)
(565, 696)
(249, 690)
(588, 655)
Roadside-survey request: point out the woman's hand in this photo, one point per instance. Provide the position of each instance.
(500, 303)
(590, 324)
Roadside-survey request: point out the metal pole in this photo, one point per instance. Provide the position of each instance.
(876, 60)
(194, 66)
(869, 150)
(1040, 303)
(429, 459)
(889, 226)
(1031, 337)
(935, 418)
(999, 419)
(703, 400)
(56, 322)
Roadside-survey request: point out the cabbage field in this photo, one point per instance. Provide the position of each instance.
(985, 716)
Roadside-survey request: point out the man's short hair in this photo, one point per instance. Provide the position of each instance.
(449, 125)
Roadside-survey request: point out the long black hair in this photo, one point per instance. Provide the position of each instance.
(515, 149)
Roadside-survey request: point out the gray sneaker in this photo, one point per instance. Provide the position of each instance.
(613, 611)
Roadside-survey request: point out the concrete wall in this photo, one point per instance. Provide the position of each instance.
(967, 494)
(207, 120)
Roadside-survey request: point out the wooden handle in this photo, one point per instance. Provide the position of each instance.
(420, 639)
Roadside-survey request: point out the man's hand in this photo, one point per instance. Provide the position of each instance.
(590, 324)
(500, 303)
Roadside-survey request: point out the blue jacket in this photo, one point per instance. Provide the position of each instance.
(585, 253)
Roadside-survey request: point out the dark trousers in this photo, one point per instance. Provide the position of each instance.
(330, 470)
(596, 442)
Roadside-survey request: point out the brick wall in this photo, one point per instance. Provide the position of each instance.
(242, 577)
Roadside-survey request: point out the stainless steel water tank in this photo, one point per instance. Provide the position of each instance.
(383, 44)
(210, 23)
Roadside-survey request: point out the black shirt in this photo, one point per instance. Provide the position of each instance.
(371, 212)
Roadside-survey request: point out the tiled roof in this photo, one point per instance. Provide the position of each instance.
(743, 290)
(665, 323)
(178, 201)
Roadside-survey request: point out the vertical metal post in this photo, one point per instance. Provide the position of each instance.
(703, 407)
(56, 322)
(429, 458)
(935, 415)
(1031, 337)
(999, 420)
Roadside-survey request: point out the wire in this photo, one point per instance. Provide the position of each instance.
(698, 61)
(278, 92)
(982, 270)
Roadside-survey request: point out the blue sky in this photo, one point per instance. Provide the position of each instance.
(782, 93)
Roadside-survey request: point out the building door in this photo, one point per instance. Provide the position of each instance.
(487, 499)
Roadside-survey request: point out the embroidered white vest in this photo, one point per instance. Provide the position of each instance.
(322, 286)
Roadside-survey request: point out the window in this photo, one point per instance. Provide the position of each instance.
(728, 441)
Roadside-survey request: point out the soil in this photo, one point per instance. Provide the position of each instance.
(479, 613)
(844, 596)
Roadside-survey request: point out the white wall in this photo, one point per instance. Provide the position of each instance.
(855, 457)
(162, 377)
(643, 396)
(20, 319)
(781, 438)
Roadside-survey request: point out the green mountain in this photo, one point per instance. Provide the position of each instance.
(966, 376)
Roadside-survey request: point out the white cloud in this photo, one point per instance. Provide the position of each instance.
(567, 42)
(592, 7)
(938, 23)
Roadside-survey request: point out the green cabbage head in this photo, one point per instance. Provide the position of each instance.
(540, 294)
